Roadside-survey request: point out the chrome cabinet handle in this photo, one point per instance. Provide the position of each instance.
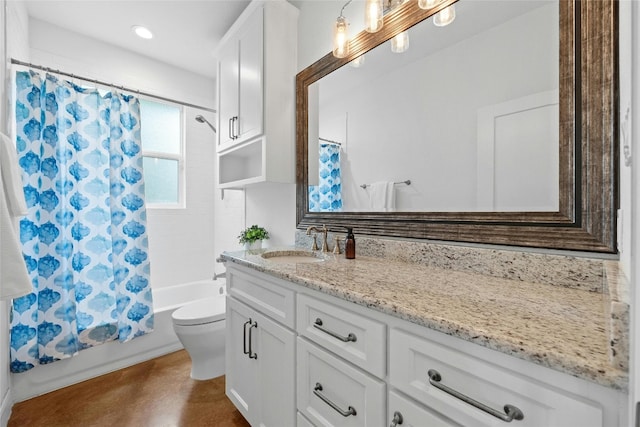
(252, 355)
(397, 419)
(230, 126)
(234, 126)
(349, 411)
(244, 337)
(510, 412)
(318, 325)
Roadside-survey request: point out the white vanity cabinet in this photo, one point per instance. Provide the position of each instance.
(256, 96)
(260, 351)
(359, 367)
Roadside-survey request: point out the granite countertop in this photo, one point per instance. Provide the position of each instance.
(559, 327)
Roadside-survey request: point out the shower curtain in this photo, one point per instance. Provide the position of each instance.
(84, 238)
(327, 195)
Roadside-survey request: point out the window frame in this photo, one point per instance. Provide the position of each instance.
(180, 158)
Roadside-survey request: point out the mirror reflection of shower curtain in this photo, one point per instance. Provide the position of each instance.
(327, 195)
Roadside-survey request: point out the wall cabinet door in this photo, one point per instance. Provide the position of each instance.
(250, 89)
(228, 71)
(260, 378)
(240, 85)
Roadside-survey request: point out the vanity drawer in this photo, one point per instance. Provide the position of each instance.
(413, 357)
(262, 294)
(413, 415)
(356, 338)
(324, 380)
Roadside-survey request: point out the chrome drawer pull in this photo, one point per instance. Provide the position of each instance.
(350, 337)
(346, 413)
(397, 419)
(511, 412)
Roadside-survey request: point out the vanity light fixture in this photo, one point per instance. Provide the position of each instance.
(341, 40)
(400, 42)
(373, 14)
(142, 32)
(359, 61)
(428, 4)
(442, 18)
(445, 16)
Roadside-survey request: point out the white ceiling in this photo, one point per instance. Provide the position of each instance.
(186, 32)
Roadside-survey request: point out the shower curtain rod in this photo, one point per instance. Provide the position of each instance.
(330, 141)
(100, 82)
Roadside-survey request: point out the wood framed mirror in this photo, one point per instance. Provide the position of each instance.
(587, 145)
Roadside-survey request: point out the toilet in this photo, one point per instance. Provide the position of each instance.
(200, 327)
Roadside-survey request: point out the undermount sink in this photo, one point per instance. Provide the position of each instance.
(292, 257)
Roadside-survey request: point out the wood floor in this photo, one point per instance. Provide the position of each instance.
(157, 393)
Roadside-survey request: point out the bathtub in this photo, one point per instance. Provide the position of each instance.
(170, 298)
(112, 356)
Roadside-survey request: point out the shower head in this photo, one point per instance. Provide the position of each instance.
(201, 119)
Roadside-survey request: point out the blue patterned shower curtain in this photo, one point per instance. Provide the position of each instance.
(327, 195)
(84, 238)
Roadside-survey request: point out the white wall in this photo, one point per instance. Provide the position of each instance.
(181, 241)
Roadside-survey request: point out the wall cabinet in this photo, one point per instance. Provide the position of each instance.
(355, 366)
(256, 96)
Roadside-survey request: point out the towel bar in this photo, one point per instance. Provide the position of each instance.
(407, 182)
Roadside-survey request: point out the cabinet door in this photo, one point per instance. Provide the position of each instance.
(274, 347)
(228, 75)
(241, 371)
(249, 123)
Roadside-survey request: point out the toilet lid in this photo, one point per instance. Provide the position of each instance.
(206, 310)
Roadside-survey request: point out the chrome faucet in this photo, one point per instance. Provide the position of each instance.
(323, 230)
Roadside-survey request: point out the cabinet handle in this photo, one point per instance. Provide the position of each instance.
(244, 337)
(318, 325)
(397, 419)
(511, 412)
(349, 411)
(230, 126)
(252, 355)
(234, 126)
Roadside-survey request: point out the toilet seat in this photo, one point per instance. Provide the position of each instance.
(206, 310)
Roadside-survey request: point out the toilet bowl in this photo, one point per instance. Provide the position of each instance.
(200, 326)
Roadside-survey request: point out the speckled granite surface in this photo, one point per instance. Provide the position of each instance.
(617, 315)
(559, 327)
(551, 269)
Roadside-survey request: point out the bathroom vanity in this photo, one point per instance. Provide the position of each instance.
(377, 342)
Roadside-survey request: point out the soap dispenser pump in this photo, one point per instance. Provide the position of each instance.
(350, 244)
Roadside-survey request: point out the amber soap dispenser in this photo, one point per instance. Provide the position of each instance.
(350, 244)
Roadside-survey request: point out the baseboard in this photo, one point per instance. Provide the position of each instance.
(93, 362)
(5, 408)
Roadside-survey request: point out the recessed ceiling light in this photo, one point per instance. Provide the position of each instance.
(142, 32)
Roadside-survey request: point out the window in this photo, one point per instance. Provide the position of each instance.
(163, 153)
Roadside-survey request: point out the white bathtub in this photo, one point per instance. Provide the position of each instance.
(112, 356)
(169, 298)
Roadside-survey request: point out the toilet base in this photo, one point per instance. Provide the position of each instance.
(207, 369)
